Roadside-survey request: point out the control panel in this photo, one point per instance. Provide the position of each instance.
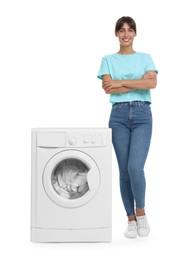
(72, 139)
(86, 139)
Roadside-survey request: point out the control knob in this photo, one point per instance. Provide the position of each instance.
(85, 140)
(72, 141)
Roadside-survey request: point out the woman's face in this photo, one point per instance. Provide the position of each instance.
(126, 35)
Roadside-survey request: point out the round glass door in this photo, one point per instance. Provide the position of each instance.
(71, 178)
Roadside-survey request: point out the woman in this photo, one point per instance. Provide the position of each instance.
(128, 76)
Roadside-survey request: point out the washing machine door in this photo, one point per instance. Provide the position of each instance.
(71, 178)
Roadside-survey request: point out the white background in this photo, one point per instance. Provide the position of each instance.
(50, 53)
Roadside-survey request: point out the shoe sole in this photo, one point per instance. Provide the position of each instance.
(131, 237)
(143, 235)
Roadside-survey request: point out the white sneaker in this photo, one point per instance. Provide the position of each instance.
(142, 226)
(131, 231)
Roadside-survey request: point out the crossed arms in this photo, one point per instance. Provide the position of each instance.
(148, 81)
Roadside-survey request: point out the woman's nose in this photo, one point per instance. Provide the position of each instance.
(125, 33)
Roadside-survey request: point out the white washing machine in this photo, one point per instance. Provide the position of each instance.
(71, 185)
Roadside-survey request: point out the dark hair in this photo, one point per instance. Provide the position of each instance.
(125, 19)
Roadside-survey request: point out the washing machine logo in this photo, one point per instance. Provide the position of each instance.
(69, 178)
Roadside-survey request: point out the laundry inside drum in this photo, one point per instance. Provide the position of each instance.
(69, 178)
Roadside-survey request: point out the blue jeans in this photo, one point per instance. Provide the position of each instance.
(131, 124)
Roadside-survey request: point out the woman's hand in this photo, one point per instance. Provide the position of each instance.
(149, 74)
(111, 86)
(110, 83)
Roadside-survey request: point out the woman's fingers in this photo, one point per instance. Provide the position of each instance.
(106, 84)
(150, 74)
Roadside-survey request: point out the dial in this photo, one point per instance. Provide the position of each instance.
(85, 140)
(72, 141)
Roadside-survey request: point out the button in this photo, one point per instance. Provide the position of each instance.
(85, 140)
(72, 141)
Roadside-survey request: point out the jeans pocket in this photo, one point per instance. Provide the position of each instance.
(117, 106)
(146, 109)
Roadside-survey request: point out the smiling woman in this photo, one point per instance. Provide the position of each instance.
(128, 77)
(125, 20)
(125, 30)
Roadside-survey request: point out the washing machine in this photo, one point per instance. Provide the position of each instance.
(71, 185)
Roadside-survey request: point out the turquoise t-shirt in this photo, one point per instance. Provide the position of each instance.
(125, 67)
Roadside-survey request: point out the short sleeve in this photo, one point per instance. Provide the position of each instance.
(150, 64)
(104, 69)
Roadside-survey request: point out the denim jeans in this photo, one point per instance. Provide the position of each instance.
(131, 124)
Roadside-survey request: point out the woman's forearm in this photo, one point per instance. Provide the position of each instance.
(148, 81)
(143, 83)
(118, 90)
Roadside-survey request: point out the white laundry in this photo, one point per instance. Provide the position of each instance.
(70, 179)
